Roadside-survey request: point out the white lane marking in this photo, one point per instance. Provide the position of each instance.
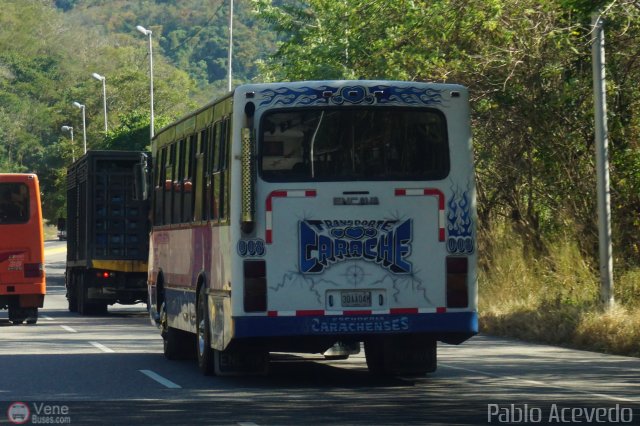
(158, 378)
(48, 318)
(247, 424)
(69, 329)
(102, 347)
(541, 384)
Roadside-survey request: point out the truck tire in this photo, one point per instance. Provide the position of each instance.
(81, 298)
(72, 295)
(204, 352)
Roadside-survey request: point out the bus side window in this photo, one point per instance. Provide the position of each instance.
(199, 181)
(206, 184)
(168, 183)
(187, 182)
(178, 181)
(215, 172)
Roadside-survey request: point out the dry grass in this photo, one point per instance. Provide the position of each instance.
(554, 298)
(616, 331)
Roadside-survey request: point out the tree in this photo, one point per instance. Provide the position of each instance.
(527, 63)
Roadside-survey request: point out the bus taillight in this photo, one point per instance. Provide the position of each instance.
(457, 292)
(255, 286)
(33, 270)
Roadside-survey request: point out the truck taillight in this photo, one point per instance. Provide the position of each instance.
(457, 289)
(33, 270)
(255, 286)
(105, 274)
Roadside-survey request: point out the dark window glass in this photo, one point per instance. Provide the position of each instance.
(14, 203)
(353, 144)
(178, 182)
(188, 185)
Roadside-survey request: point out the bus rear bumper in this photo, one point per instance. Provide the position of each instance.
(22, 300)
(449, 327)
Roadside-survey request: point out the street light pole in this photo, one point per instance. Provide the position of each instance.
(104, 96)
(147, 32)
(84, 125)
(70, 130)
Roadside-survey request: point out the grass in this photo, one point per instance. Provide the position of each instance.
(555, 298)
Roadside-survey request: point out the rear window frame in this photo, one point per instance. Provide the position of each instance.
(276, 179)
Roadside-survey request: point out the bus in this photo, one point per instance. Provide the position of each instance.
(22, 276)
(314, 216)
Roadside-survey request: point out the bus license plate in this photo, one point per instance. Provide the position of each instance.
(353, 299)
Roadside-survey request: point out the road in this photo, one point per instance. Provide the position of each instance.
(110, 370)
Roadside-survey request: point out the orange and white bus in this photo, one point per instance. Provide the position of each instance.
(315, 217)
(22, 276)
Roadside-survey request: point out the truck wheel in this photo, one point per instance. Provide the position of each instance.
(204, 351)
(73, 300)
(99, 308)
(72, 295)
(81, 298)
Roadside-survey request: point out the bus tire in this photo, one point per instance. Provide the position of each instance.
(17, 315)
(170, 336)
(401, 355)
(203, 345)
(374, 353)
(32, 315)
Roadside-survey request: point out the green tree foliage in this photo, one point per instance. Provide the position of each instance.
(528, 65)
(192, 34)
(48, 51)
(133, 132)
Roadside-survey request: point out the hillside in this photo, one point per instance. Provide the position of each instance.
(49, 50)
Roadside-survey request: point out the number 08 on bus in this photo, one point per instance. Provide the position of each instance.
(315, 217)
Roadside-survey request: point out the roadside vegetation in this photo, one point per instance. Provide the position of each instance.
(555, 297)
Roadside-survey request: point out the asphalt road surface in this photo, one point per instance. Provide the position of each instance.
(70, 369)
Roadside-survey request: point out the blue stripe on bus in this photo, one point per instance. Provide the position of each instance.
(439, 323)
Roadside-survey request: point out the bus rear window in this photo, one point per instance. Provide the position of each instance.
(354, 144)
(14, 203)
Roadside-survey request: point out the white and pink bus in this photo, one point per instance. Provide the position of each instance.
(314, 217)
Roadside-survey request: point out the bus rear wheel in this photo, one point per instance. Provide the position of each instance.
(18, 315)
(32, 315)
(400, 355)
(16, 318)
